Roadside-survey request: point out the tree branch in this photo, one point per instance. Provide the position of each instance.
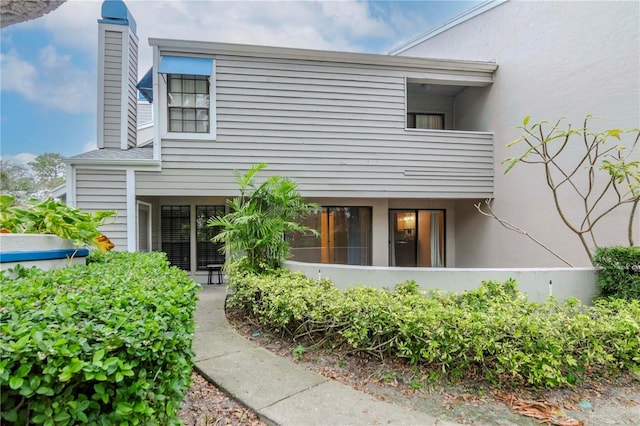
(508, 225)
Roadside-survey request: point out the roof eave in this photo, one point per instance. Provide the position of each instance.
(147, 165)
(215, 48)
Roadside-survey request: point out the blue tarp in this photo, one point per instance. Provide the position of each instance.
(185, 65)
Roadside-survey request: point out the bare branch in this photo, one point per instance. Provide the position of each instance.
(510, 226)
(598, 198)
(631, 219)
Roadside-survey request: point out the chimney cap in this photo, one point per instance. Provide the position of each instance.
(116, 12)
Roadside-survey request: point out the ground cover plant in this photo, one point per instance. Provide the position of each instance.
(491, 332)
(106, 343)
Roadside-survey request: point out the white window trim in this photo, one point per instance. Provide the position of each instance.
(149, 224)
(163, 111)
(132, 212)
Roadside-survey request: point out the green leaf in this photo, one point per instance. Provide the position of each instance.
(45, 390)
(98, 355)
(62, 417)
(23, 370)
(66, 375)
(99, 388)
(39, 418)
(124, 408)
(526, 120)
(16, 382)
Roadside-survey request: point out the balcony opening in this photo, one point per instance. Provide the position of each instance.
(432, 106)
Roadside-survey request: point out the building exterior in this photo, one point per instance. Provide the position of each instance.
(395, 149)
(557, 59)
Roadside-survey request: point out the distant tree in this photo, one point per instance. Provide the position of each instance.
(49, 169)
(16, 181)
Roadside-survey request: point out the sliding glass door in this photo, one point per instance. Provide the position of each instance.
(345, 237)
(416, 238)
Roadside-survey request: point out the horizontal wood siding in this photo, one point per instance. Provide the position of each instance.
(336, 130)
(144, 115)
(105, 190)
(112, 88)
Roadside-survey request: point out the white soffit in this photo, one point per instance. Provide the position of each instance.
(465, 16)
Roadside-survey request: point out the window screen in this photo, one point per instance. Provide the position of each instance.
(207, 252)
(175, 233)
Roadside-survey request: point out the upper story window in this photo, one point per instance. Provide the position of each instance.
(425, 121)
(188, 103)
(188, 86)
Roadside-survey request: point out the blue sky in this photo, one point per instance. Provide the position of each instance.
(48, 65)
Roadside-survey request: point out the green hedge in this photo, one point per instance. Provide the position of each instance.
(107, 343)
(620, 273)
(492, 332)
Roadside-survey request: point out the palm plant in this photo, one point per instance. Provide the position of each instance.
(259, 219)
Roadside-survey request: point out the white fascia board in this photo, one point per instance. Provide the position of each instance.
(155, 111)
(59, 191)
(71, 185)
(131, 210)
(124, 91)
(100, 100)
(146, 165)
(177, 47)
(465, 16)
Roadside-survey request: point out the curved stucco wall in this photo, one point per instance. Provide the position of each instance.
(43, 251)
(537, 283)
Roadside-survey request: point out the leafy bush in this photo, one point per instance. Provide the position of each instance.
(620, 274)
(53, 217)
(492, 331)
(106, 343)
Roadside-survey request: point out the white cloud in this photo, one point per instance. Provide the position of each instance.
(89, 146)
(22, 159)
(72, 25)
(52, 81)
(329, 25)
(353, 18)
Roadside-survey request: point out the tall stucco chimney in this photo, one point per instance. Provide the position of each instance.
(117, 76)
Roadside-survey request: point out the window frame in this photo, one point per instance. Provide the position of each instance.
(163, 109)
(197, 83)
(428, 114)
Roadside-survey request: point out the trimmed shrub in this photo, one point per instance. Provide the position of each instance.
(106, 343)
(620, 273)
(491, 332)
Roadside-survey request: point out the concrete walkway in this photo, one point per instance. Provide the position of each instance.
(280, 391)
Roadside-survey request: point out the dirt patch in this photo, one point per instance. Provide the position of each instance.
(206, 405)
(467, 401)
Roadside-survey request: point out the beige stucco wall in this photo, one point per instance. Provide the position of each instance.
(556, 59)
(537, 283)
